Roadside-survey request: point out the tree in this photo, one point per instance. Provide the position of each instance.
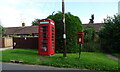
(92, 19)
(89, 32)
(2, 31)
(73, 25)
(110, 34)
(90, 40)
(35, 22)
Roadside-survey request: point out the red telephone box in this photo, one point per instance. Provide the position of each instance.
(80, 37)
(46, 37)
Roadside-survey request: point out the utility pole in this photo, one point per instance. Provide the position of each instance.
(64, 32)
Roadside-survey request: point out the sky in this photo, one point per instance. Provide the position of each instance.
(14, 12)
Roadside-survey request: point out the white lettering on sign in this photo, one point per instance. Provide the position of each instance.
(52, 23)
(80, 39)
(43, 22)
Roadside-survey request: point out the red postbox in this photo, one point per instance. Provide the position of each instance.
(80, 39)
(46, 37)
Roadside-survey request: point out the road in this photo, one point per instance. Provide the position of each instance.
(11, 66)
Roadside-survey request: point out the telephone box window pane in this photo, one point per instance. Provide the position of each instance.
(44, 45)
(52, 39)
(44, 27)
(52, 33)
(44, 40)
(52, 27)
(52, 45)
(52, 36)
(52, 30)
(44, 31)
(52, 48)
(44, 34)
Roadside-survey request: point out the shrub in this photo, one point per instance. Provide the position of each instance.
(110, 34)
(73, 25)
(91, 39)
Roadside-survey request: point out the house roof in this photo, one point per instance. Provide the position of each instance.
(34, 29)
(97, 26)
(22, 30)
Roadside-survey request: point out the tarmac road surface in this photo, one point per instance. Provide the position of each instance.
(12, 66)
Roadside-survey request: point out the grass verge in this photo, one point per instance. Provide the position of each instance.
(89, 60)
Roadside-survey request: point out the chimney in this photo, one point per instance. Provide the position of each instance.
(23, 24)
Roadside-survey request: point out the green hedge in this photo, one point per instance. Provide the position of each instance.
(73, 25)
(110, 34)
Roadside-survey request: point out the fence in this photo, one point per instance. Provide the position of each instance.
(25, 42)
(1, 42)
(6, 42)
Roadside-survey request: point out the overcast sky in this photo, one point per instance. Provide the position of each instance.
(14, 12)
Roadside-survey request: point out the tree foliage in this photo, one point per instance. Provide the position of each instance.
(91, 39)
(110, 34)
(73, 25)
(2, 30)
(89, 32)
(35, 22)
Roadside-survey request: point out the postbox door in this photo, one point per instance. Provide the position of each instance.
(80, 38)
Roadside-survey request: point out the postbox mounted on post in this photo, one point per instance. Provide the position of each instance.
(46, 37)
(80, 39)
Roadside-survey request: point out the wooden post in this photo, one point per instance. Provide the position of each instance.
(64, 33)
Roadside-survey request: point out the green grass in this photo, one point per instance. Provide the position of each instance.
(89, 60)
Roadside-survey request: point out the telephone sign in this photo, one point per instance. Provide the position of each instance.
(80, 39)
